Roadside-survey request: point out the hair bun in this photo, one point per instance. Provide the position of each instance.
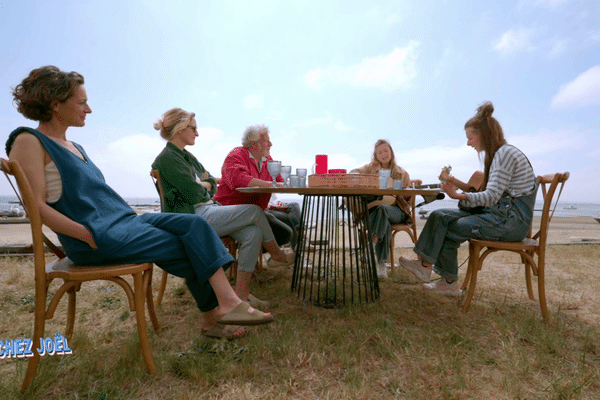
(158, 125)
(486, 109)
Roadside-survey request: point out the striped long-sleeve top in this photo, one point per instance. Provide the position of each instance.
(510, 171)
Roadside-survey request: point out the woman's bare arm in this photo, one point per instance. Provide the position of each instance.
(32, 157)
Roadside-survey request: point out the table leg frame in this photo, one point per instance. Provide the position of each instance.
(335, 259)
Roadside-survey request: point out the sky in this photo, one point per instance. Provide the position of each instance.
(326, 77)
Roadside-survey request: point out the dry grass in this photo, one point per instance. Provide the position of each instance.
(408, 345)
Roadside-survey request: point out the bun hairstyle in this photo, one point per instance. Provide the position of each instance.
(490, 132)
(35, 95)
(173, 121)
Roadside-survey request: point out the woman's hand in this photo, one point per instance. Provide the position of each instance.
(89, 239)
(450, 190)
(445, 175)
(207, 185)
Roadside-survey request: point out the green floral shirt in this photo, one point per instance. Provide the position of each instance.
(180, 176)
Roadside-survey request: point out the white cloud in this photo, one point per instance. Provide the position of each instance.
(514, 40)
(396, 70)
(254, 101)
(582, 91)
(126, 162)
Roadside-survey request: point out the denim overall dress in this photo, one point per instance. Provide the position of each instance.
(184, 245)
(508, 220)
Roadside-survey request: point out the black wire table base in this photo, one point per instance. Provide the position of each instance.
(335, 259)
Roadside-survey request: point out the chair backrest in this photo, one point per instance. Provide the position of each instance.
(155, 174)
(549, 183)
(13, 168)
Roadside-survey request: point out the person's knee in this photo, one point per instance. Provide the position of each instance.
(255, 210)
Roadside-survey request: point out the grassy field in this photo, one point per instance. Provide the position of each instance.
(408, 345)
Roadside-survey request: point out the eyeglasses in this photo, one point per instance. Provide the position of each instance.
(194, 128)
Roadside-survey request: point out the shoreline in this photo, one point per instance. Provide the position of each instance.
(562, 230)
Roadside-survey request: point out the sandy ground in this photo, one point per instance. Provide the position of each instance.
(562, 230)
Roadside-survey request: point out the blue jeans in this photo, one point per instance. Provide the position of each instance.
(507, 221)
(246, 223)
(381, 219)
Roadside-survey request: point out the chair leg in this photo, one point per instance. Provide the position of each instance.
(528, 270)
(471, 277)
(392, 242)
(140, 315)
(161, 289)
(32, 366)
(71, 311)
(39, 325)
(147, 283)
(542, 289)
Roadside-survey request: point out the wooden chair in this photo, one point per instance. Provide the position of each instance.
(73, 276)
(528, 248)
(410, 229)
(228, 241)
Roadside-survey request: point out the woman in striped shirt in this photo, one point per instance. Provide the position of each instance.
(504, 206)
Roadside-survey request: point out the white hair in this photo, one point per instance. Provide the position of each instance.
(252, 134)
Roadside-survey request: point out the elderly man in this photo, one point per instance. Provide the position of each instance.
(246, 166)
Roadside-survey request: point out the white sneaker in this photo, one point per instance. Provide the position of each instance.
(416, 268)
(382, 273)
(442, 287)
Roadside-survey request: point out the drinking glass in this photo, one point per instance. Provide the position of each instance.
(384, 175)
(301, 172)
(274, 168)
(294, 181)
(286, 171)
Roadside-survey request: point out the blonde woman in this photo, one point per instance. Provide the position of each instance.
(388, 211)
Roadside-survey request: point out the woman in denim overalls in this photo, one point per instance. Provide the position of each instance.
(95, 225)
(503, 210)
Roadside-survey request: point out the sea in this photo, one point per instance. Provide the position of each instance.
(152, 204)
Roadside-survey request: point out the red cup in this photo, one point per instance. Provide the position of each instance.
(321, 164)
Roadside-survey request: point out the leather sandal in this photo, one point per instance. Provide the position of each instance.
(242, 316)
(255, 302)
(219, 331)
